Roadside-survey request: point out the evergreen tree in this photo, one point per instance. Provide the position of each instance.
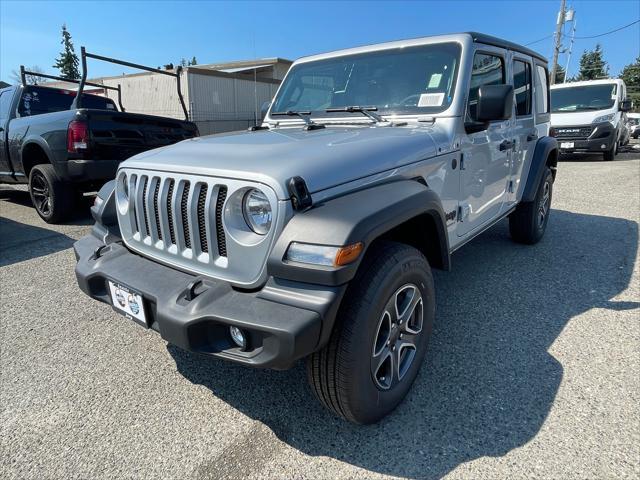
(68, 61)
(592, 65)
(193, 61)
(631, 76)
(183, 62)
(560, 74)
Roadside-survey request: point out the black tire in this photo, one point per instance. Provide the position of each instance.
(53, 199)
(341, 375)
(610, 154)
(528, 222)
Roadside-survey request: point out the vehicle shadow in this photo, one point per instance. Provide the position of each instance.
(488, 382)
(81, 215)
(20, 242)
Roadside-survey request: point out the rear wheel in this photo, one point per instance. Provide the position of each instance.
(380, 337)
(528, 222)
(53, 199)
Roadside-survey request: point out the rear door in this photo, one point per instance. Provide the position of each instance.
(524, 131)
(486, 163)
(6, 100)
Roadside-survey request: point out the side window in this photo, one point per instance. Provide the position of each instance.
(487, 70)
(542, 90)
(5, 104)
(522, 87)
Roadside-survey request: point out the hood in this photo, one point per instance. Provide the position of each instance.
(324, 158)
(570, 119)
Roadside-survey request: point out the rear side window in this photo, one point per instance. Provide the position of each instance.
(36, 101)
(5, 104)
(487, 70)
(522, 87)
(542, 90)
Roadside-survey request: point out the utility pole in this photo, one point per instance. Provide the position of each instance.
(557, 41)
(570, 18)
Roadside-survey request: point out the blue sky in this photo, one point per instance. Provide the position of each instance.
(159, 32)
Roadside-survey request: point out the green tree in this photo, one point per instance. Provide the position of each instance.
(68, 61)
(592, 65)
(560, 74)
(193, 61)
(631, 76)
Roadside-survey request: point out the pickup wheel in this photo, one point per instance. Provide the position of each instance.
(380, 337)
(52, 198)
(528, 222)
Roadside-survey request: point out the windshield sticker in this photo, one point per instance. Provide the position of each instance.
(434, 81)
(431, 99)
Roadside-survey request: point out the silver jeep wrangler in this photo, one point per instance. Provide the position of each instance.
(314, 235)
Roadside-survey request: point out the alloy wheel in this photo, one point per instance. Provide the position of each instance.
(543, 206)
(41, 193)
(396, 339)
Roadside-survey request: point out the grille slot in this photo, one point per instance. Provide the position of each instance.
(156, 210)
(202, 227)
(184, 207)
(222, 241)
(145, 182)
(172, 233)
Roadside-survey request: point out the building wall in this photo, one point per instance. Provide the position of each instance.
(223, 103)
(150, 93)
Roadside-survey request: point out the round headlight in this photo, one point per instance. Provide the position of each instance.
(257, 211)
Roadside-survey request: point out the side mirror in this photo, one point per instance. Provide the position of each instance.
(495, 102)
(264, 109)
(626, 105)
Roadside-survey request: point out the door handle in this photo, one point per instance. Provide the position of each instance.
(532, 136)
(506, 145)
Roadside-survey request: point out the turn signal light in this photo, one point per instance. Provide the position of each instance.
(348, 254)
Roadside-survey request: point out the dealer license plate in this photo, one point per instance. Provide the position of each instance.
(566, 145)
(127, 302)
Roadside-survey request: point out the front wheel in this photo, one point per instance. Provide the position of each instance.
(52, 198)
(610, 154)
(380, 337)
(528, 222)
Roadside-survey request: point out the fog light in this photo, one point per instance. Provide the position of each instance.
(238, 337)
(603, 146)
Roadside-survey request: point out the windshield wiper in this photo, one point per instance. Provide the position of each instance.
(309, 124)
(367, 111)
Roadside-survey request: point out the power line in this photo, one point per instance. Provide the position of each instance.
(539, 40)
(607, 33)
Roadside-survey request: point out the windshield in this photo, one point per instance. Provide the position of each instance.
(583, 98)
(412, 80)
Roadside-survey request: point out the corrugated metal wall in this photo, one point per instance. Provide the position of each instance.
(153, 94)
(216, 103)
(222, 104)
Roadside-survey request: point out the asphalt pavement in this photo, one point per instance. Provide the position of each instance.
(532, 370)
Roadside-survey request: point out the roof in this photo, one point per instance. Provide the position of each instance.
(453, 37)
(603, 81)
(240, 65)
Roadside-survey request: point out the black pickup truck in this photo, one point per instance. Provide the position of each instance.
(61, 151)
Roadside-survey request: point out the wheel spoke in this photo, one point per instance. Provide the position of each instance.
(383, 369)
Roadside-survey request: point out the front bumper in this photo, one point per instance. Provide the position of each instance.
(284, 320)
(602, 138)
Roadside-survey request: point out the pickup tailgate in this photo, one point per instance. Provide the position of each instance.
(120, 135)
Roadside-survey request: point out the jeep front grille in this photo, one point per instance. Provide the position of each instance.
(179, 220)
(193, 225)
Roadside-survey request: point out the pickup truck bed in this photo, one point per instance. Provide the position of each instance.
(80, 148)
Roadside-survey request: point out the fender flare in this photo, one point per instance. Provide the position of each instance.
(35, 140)
(361, 216)
(544, 147)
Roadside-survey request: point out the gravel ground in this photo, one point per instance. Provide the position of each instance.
(532, 370)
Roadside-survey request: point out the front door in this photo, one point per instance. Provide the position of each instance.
(486, 164)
